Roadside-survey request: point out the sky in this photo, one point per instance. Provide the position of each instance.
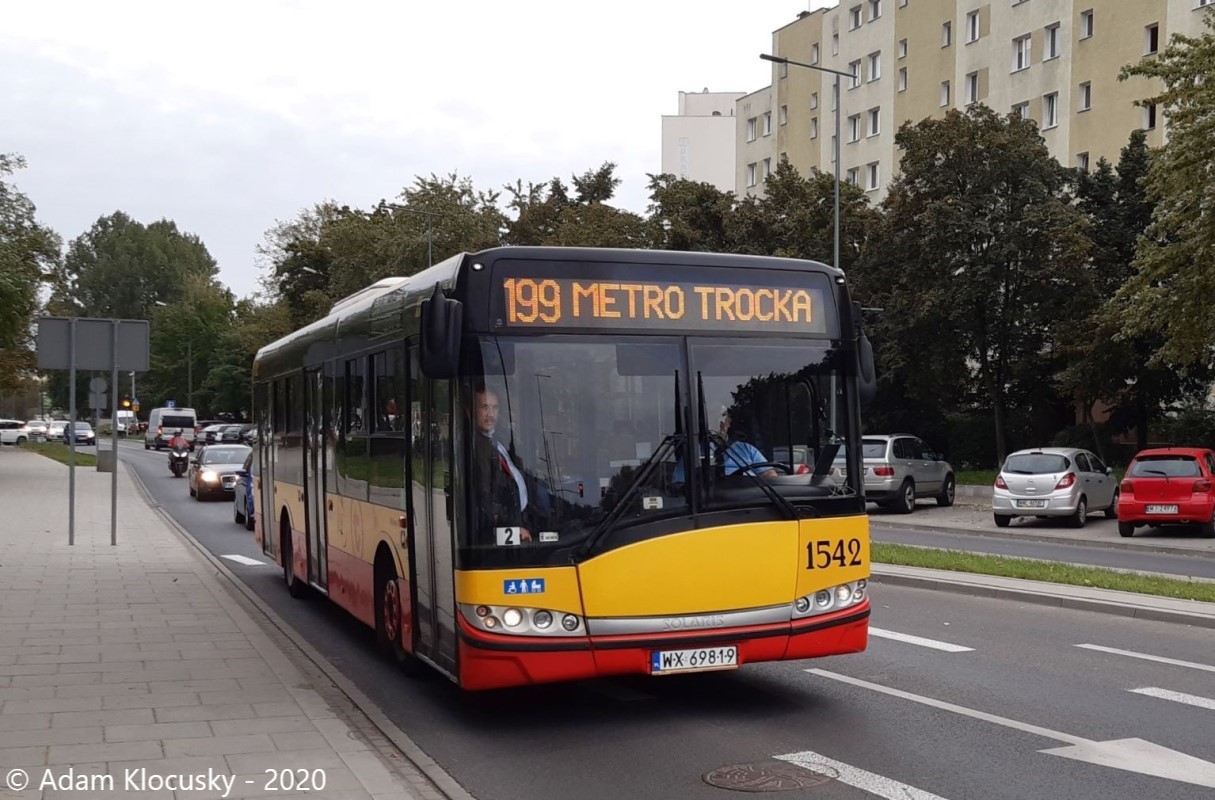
(227, 117)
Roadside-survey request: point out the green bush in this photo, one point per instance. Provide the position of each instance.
(1098, 439)
(1190, 427)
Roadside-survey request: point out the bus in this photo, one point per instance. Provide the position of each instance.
(540, 464)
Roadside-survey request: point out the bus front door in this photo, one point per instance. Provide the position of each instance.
(315, 426)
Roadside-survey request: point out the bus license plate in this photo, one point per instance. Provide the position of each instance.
(700, 659)
(1162, 509)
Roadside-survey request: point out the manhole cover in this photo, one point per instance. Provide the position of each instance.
(766, 776)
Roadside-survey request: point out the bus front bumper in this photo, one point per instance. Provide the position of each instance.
(489, 661)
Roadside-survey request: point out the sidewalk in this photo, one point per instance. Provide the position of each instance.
(138, 662)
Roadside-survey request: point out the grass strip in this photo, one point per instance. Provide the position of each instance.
(1051, 571)
(58, 451)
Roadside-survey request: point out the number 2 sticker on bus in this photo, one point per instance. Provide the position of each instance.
(507, 537)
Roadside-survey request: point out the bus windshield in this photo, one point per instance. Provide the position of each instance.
(575, 438)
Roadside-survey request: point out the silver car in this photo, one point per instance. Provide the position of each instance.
(1054, 482)
(899, 468)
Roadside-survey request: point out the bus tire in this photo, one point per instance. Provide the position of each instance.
(295, 587)
(387, 623)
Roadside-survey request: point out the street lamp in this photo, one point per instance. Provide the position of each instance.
(839, 101)
(430, 253)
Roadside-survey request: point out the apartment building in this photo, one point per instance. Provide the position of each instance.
(1056, 61)
(699, 142)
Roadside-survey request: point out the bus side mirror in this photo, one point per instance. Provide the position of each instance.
(867, 373)
(442, 320)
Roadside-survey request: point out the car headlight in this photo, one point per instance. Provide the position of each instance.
(832, 598)
(209, 475)
(522, 621)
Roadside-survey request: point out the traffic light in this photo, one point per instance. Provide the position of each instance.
(126, 403)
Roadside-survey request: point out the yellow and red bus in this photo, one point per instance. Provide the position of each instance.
(659, 495)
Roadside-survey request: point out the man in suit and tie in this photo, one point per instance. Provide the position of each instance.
(505, 501)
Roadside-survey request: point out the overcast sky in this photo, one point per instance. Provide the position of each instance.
(226, 116)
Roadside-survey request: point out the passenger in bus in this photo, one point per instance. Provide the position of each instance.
(505, 497)
(739, 456)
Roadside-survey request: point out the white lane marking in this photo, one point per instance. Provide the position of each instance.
(252, 562)
(1131, 755)
(856, 777)
(1159, 659)
(919, 640)
(1176, 697)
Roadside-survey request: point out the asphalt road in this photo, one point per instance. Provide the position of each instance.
(987, 687)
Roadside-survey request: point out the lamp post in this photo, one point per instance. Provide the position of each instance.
(839, 100)
(430, 252)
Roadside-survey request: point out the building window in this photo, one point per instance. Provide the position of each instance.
(1082, 161)
(1052, 42)
(1086, 24)
(944, 93)
(854, 127)
(767, 123)
(767, 168)
(1149, 116)
(814, 127)
(751, 129)
(875, 121)
(752, 169)
(854, 176)
(854, 17)
(903, 79)
(1021, 51)
(833, 143)
(813, 100)
(972, 88)
(902, 48)
(947, 34)
(1151, 39)
(784, 69)
(875, 9)
(835, 96)
(875, 66)
(1021, 110)
(814, 53)
(871, 176)
(1086, 96)
(784, 115)
(855, 69)
(835, 44)
(902, 3)
(1050, 110)
(972, 27)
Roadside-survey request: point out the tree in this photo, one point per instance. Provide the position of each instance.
(979, 252)
(188, 339)
(548, 215)
(1170, 290)
(122, 268)
(29, 253)
(688, 215)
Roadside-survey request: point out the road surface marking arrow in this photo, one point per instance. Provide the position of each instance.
(1131, 755)
(1176, 697)
(1146, 657)
(252, 562)
(856, 777)
(921, 641)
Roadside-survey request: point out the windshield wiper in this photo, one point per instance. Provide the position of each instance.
(639, 480)
(779, 500)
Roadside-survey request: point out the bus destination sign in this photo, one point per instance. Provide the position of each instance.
(657, 305)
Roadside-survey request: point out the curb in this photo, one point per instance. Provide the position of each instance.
(1029, 536)
(423, 763)
(1027, 595)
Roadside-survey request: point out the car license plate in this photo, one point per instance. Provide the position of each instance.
(700, 659)
(1031, 504)
(1162, 509)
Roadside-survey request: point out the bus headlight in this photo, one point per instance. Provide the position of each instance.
(521, 621)
(832, 598)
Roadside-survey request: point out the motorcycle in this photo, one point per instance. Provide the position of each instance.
(178, 460)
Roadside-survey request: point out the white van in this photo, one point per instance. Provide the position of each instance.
(164, 422)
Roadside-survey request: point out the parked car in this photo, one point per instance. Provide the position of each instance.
(38, 429)
(209, 434)
(1054, 482)
(13, 431)
(213, 469)
(230, 434)
(242, 498)
(900, 468)
(54, 431)
(1169, 486)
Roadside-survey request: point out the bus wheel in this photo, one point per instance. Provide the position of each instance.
(388, 620)
(295, 587)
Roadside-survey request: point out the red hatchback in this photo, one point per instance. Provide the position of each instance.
(1169, 486)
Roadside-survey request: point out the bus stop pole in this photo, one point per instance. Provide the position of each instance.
(71, 431)
(114, 438)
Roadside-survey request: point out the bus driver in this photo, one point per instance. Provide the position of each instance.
(497, 475)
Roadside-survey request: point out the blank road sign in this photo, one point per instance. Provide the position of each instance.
(94, 344)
